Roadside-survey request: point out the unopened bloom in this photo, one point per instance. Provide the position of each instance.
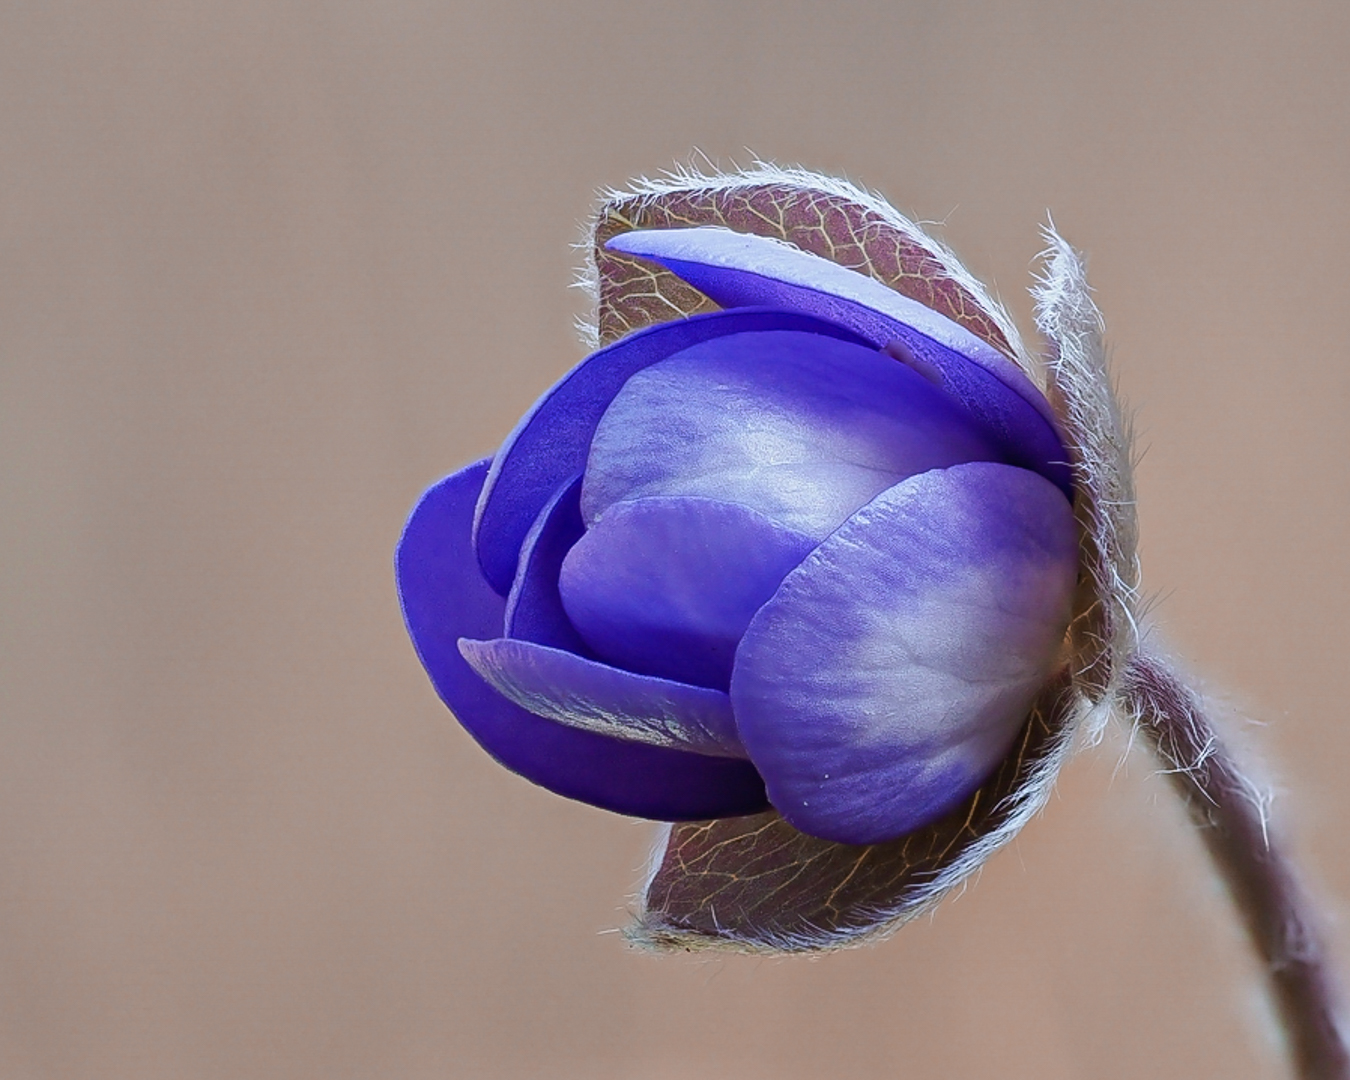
(814, 550)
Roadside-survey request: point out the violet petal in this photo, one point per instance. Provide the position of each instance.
(667, 586)
(534, 609)
(550, 442)
(444, 598)
(803, 428)
(895, 666)
(739, 269)
(594, 697)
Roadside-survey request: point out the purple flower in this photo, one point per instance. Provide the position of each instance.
(815, 549)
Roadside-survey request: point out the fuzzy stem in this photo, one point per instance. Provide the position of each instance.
(1231, 815)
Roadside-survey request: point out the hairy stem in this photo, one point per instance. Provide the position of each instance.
(1231, 814)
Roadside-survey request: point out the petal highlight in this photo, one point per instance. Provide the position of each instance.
(894, 667)
(803, 428)
(551, 441)
(739, 269)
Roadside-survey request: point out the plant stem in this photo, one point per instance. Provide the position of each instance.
(1231, 813)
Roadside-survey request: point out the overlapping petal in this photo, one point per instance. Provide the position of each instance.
(893, 668)
(738, 269)
(445, 597)
(550, 443)
(801, 427)
(586, 695)
(534, 609)
(667, 586)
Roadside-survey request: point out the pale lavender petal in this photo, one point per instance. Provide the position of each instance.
(551, 441)
(802, 428)
(593, 697)
(444, 598)
(667, 586)
(893, 669)
(739, 269)
(534, 610)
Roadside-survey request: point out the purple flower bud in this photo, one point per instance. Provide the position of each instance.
(805, 534)
(812, 548)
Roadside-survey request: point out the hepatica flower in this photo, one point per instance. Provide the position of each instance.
(801, 559)
(819, 542)
(791, 555)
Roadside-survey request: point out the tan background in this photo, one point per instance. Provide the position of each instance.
(270, 267)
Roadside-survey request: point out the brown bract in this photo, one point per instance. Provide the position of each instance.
(756, 884)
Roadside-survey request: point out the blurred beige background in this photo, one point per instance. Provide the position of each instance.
(270, 268)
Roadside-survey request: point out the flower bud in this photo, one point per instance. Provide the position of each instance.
(797, 559)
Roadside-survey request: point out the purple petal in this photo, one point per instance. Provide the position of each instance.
(805, 429)
(594, 697)
(739, 269)
(551, 441)
(444, 598)
(894, 667)
(667, 586)
(534, 610)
